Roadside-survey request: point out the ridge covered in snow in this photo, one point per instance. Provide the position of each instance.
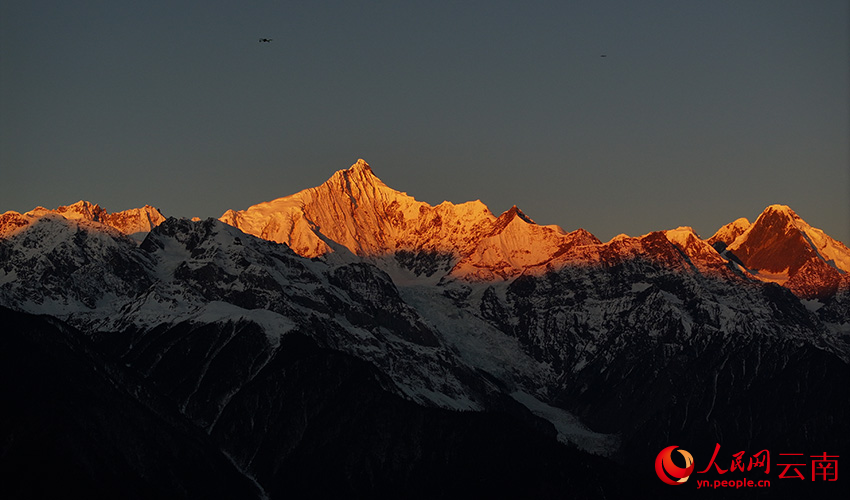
(354, 217)
(135, 222)
(729, 232)
(779, 224)
(356, 210)
(782, 248)
(355, 214)
(446, 307)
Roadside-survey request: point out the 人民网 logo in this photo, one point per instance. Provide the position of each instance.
(666, 469)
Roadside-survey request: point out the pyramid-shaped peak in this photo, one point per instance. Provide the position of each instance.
(359, 170)
(515, 211)
(774, 222)
(361, 165)
(777, 219)
(359, 174)
(508, 217)
(780, 210)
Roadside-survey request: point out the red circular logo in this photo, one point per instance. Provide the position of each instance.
(666, 469)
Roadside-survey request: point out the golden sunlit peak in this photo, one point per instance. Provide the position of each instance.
(682, 229)
(782, 209)
(515, 211)
(361, 165)
(360, 169)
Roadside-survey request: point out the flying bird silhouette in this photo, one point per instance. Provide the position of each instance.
(266, 40)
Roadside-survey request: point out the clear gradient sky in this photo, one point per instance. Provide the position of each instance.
(702, 111)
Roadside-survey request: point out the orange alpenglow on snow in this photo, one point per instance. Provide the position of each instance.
(355, 215)
(781, 247)
(135, 222)
(356, 210)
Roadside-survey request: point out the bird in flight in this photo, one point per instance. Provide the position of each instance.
(266, 40)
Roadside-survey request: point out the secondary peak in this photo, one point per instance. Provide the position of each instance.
(515, 211)
(781, 209)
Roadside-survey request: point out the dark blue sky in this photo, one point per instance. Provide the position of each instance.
(702, 111)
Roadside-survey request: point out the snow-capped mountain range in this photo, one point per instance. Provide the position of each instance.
(136, 223)
(609, 348)
(357, 211)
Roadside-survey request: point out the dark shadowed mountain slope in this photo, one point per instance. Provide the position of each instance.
(77, 426)
(320, 421)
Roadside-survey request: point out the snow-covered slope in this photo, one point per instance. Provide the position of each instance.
(207, 272)
(460, 344)
(355, 210)
(780, 240)
(58, 266)
(728, 233)
(355, 215)
(781, 247)
(616, 346)
(136, 222)
(516, 245)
